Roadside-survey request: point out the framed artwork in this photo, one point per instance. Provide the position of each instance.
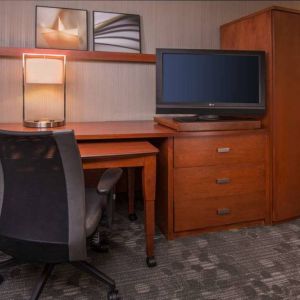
(61, 28)
(116, 32)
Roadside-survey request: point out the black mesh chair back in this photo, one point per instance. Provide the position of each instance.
(42, 197)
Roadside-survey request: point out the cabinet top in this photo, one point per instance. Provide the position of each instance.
(263, 11)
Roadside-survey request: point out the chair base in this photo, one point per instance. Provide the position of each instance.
(6, 264)
(9, 263)
(99, 242)
(81, 265)
(42, 281)
(86, 267)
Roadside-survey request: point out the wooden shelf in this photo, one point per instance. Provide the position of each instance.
(217, 125)
(82, 55)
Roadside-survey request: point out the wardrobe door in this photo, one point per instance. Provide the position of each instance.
(286, 115)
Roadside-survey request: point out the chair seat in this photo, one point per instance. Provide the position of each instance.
(94, 204)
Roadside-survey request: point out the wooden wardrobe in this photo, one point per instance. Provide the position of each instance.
(277, 31)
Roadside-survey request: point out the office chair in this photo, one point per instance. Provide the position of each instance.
(46, 214)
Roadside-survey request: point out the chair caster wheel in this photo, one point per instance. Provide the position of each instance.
(113, 295)
(102, 248)
(151, 262)
(99, 244)
(132, 217)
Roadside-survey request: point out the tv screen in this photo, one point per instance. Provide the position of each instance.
(210, 82)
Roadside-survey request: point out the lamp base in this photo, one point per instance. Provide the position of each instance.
(43, 123)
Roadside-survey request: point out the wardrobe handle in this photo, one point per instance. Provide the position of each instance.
(223, 150)
(223, 180)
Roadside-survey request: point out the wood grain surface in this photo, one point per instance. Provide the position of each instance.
(104, 130)
(115, 149)
(193, 215)
(277, 32)
(81, 55)
(219, 150)
(217, 125)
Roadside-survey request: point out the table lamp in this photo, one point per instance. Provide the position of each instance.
(44, 90)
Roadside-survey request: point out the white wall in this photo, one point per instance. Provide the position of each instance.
(98, 91)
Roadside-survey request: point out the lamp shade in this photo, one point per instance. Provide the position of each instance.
(44, 90)
(44, 70)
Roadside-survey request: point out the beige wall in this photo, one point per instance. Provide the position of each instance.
(98, 91)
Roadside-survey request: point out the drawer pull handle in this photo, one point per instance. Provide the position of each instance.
(223, 181)
(223, 150)
(223, 211)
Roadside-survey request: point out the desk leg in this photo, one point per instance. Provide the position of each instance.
(131, 193)
(149, 181)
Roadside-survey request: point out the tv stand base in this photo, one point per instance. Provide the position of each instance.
(196, 124)
(197, 118)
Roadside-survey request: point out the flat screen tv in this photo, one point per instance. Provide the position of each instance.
(210, 83)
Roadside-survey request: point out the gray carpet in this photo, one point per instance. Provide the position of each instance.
(256, 263)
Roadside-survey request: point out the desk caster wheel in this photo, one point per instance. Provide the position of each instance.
(113, 295)
(151, 262)
(132, 217)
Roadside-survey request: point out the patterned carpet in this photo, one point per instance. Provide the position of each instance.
(256, 263)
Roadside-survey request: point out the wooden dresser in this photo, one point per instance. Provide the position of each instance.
(215, 179)
(277, 31)
(218, 180)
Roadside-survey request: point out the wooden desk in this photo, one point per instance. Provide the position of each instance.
(97, 152)
(189, 198)
(129, 154)
(110, 130)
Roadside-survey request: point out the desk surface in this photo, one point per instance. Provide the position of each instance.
(115, 149)
(105, 130)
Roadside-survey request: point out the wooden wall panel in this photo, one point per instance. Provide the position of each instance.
(98, 91)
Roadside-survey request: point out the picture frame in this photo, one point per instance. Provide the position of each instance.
(61, 28)
(116, 32)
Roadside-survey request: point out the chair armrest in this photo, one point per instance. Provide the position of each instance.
(108, 180)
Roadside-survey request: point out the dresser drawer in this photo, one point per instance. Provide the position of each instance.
(215, 150)
(216, 211)
(192, 184)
